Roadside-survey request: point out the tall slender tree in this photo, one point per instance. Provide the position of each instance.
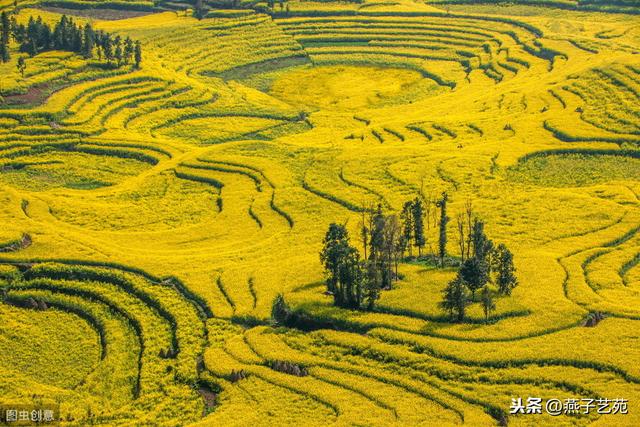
(390, 240)
(468, 210)
(482, 245)
(444, 220)
(107, 47)
(117, 52)
(138, 54)
(129, 50)
(476, 270)
(370, 285)
(5, 30)
(417, 211)
(76, 39)
(406, 216)
(376, 236)
(18, 30)
(343, 267)
(349, 291)
(88, 41)
(380, 248)
(335, 248)
(366, 225)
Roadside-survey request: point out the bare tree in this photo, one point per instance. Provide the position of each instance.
(400, 246)
(433, 201)
(428, 202)
(364, 230)
(366, 225)
(390, 238)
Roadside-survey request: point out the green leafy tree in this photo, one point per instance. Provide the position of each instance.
(389, 250)
(280, 310)
(476, 270)
(353, 283)
(129, 50)
(475, 274)
(18, 30)
(342, 265)
(488, 305)
(456, 299)
(138, 54)
(5, 55)
(384, 229)
(30, 44)
(370, 284)
(76, 39)
(118, 53)
(99, 47)
(59, 34)
(5, 29)
(482, 245)
(88, 41)
(107, 47)
(502, 261)
(350, 280)
(335, 248)
(200, 10)
(376, 238)
(37, 37)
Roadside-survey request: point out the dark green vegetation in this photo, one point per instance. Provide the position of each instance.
(356, 284)
(576, 168)
(37, 37)
(616, 6)
(487, 264)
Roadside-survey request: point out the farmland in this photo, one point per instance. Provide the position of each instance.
(151, 215)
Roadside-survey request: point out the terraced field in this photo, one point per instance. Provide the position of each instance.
(151, 216)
